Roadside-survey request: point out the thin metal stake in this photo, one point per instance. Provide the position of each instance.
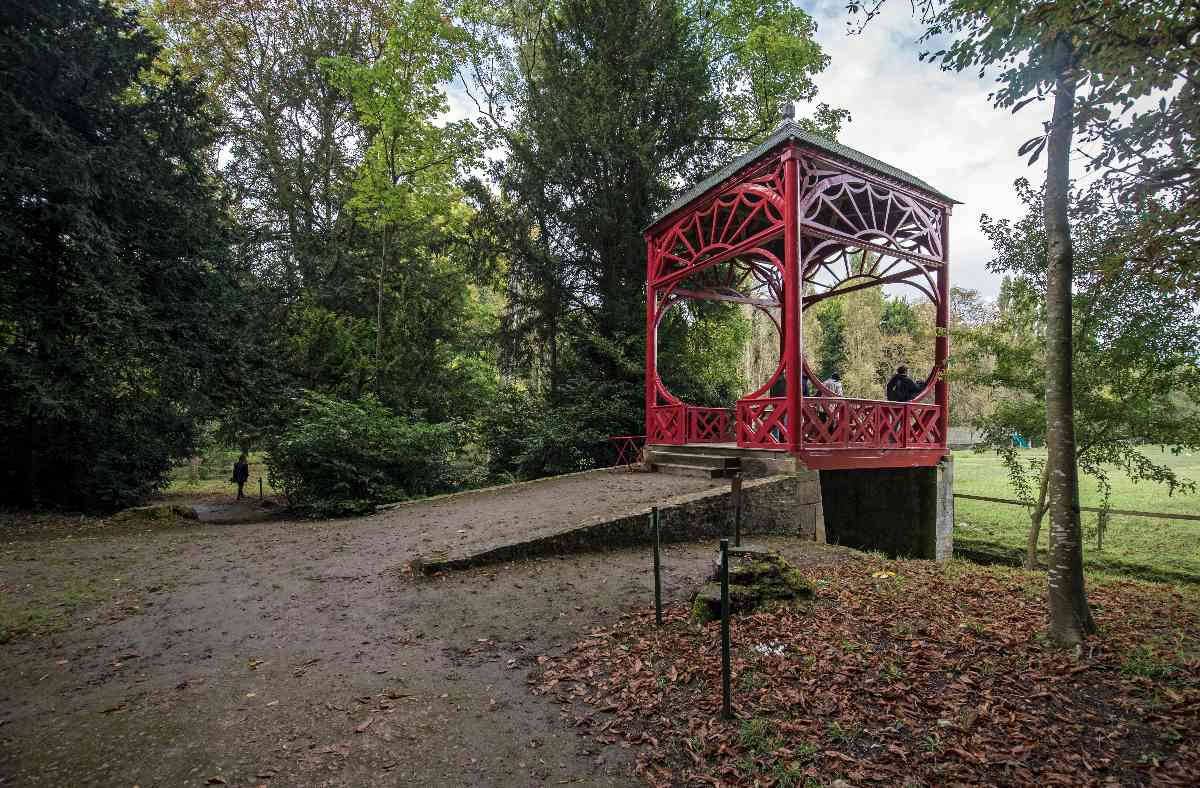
(737, 510)
(654, 524)
(260, 488)
(726, 691)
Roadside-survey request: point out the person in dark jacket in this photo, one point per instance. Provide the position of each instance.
(901, 388)
(241, 472)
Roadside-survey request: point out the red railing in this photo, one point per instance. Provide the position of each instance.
(709, 425)
(628, 449)
(837, 423)
(826, 423)
(923, 424)
(763, 423)
(667, 424)
(679, 424)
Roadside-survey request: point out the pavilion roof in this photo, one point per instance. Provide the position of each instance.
(789, 130)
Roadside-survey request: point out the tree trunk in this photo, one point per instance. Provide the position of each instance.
(1070, 617)
(1035, 522)
(379, 307)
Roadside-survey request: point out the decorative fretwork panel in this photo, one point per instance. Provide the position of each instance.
(831, 265)
(862, 426)
(747, 214)
(666, 424)
(890, 421)
(709, 425)
(824, 421)
(764, 423)
(840, 204)
(924, 425)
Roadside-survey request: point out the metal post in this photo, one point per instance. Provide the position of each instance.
(726, 691)
(654, 524)
(260, 495)
(737, 510)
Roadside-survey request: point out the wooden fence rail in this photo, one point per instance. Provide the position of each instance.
(1110, 512)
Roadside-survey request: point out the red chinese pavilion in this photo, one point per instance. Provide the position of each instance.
(795, 221)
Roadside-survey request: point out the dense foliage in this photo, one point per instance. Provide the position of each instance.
(118, 305)
(343, 457)
(605, 110)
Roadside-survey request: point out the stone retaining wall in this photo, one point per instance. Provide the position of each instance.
(789, 504)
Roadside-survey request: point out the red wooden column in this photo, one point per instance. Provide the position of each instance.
(941, 350)
(792, 283)
(651, 343)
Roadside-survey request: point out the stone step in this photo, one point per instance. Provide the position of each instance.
(690, 458)
(680, 469)
(714, 449)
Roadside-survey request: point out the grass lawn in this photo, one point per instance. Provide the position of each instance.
(1147, 547)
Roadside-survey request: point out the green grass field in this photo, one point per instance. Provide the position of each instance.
(1140, 546)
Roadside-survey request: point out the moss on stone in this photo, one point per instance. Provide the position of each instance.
(155, 514)
(755, 579)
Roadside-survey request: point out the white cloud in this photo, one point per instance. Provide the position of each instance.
(939, 126)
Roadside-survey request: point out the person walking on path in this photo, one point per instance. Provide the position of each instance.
(901, 388)
(241, 472)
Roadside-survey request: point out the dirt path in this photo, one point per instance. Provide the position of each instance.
(288, 653)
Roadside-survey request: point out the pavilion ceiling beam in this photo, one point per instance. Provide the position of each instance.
(887, 280)
(820, 231)
(714, 295)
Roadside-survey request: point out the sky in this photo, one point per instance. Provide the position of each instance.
(938, 126)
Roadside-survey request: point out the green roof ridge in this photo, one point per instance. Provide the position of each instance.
(790, 130)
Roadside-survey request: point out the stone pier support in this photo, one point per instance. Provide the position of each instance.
(904, 512)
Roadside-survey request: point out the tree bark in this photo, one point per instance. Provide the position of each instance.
(1035, 522)
(379, 306)
(1070, 618)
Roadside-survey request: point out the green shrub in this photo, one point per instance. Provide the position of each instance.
(344, 457)
(529, 436)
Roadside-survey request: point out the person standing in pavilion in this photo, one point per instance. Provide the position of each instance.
(901, 388)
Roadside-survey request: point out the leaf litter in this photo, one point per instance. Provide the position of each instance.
(899, 672)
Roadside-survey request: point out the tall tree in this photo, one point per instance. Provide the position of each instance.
(290, 137)
(606, 110)
(1099, 62)
(410, 169)
(1070, 616)
(831, 315)
(345, 179)
(118, 300)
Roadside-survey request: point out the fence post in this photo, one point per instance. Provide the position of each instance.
(1101, 526)
(260, 495)
(726, 690)
(737, 509)
(654, 525)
